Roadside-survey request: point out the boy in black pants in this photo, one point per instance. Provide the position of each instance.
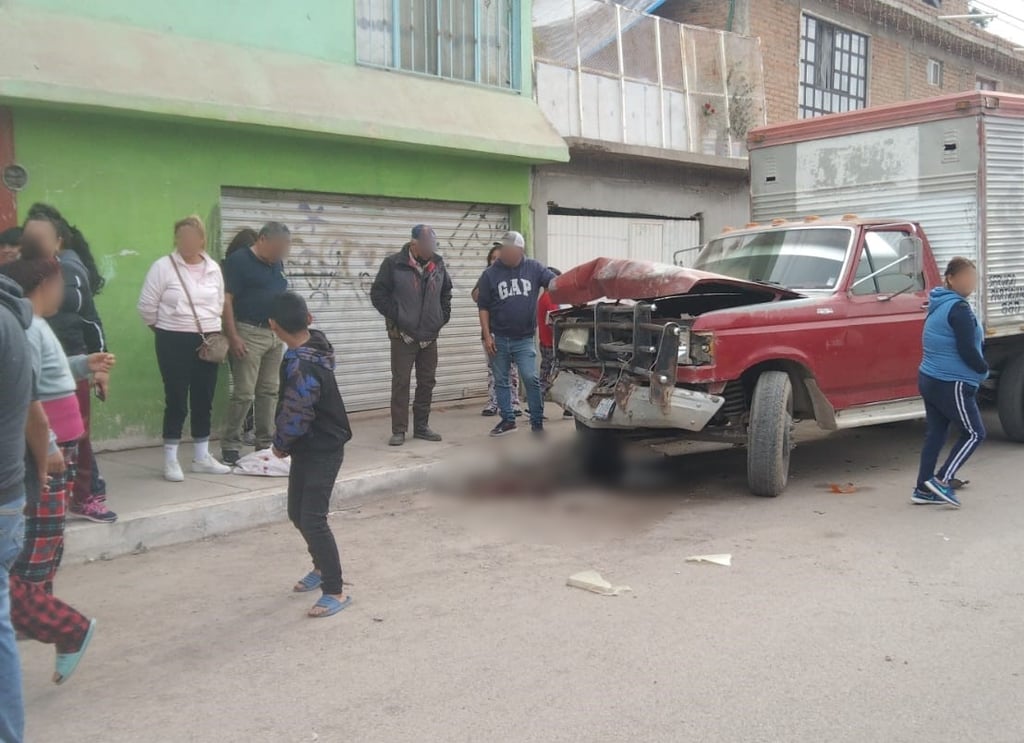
(312, 427)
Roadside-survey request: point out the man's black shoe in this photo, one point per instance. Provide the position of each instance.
(397, 439)
(229, 457)
(504, 427)
(426, 434)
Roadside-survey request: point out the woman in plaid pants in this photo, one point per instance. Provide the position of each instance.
(35, 611)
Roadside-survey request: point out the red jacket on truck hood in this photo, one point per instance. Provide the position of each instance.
(619, 278)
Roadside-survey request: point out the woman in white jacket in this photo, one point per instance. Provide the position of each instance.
(164, 307)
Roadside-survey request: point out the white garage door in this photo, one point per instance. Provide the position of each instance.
(573, 240)
(338, 245)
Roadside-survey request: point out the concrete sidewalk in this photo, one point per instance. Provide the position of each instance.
(156, 513)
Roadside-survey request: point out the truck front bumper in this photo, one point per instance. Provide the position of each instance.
(633, 406)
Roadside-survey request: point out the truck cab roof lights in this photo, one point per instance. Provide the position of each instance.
(850, 217)
(778, 221)
(812, 218)
(751, 225)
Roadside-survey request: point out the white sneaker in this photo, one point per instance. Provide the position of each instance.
(209, 466)
(172, 471)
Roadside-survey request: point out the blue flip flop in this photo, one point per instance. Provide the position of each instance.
(68, 662)
(332, 605)
(309, 583)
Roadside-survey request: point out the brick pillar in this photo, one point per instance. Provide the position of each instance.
(8, 202)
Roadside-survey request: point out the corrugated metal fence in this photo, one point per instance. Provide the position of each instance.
(338, 245)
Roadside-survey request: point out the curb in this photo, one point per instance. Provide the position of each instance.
(189, 522)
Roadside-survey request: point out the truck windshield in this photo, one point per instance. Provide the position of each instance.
(802, 258)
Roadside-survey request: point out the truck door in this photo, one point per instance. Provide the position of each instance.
(888, 301)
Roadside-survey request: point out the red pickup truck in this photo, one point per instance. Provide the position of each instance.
(800, 317)
(811, 319)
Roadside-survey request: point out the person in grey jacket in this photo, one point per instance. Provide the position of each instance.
(413, 292)
(20, 417)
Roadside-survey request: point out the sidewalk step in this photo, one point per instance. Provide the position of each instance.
(188, 522)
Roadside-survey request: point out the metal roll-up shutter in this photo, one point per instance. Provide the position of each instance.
(338, 243)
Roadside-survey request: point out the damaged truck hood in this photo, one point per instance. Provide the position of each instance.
(619, 278)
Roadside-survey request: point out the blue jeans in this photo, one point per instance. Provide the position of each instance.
(12, 712)
(522, 352)
(946, 404)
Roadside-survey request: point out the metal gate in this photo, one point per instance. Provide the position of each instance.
(338, 243)
(573, 240)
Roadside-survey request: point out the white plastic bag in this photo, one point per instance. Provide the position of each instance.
(263, 464)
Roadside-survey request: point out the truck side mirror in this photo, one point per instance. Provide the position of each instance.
(679, 257)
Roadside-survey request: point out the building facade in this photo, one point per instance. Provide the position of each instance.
(345, 120)
(829, 56)
(655, 114)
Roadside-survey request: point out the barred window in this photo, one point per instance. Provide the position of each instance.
(469, 40)
(833, 69)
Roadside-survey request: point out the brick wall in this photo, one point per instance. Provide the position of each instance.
(897, 66)
(778, 24)
(707, 13)
(946, 7)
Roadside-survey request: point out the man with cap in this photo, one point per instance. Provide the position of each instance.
(507, 301)
(413, 292)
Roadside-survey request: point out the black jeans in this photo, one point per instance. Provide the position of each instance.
(187, 378)
(310, 485)
(405, 356)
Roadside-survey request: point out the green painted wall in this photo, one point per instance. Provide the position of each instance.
(324, 29)
(125, 181)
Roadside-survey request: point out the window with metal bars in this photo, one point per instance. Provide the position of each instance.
(469, 40)
(833, 68)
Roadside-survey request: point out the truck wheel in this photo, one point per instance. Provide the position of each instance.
(769, 435)
(600, 453)
(1011, 399)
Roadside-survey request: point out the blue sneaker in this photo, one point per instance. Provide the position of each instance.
(925, 498)
(943, 491)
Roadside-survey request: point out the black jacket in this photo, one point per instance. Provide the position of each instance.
(414, 301)
(77, 324)
(311, 415)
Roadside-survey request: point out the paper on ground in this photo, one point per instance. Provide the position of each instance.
(725, 560)
(591, 580)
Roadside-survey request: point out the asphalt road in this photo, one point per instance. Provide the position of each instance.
(844, 617)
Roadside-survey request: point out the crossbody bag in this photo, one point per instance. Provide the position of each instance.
(214, 347)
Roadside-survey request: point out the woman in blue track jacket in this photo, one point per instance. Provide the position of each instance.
(952, 369)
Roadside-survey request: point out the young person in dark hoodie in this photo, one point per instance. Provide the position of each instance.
(952, 369)
(312, 427)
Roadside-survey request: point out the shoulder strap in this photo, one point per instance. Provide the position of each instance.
(188, 296)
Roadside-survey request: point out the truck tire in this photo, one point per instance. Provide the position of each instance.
(600, 453)
(1010, 399)
(769, 434)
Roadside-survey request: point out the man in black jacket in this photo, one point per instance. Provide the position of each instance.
(413, 292)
